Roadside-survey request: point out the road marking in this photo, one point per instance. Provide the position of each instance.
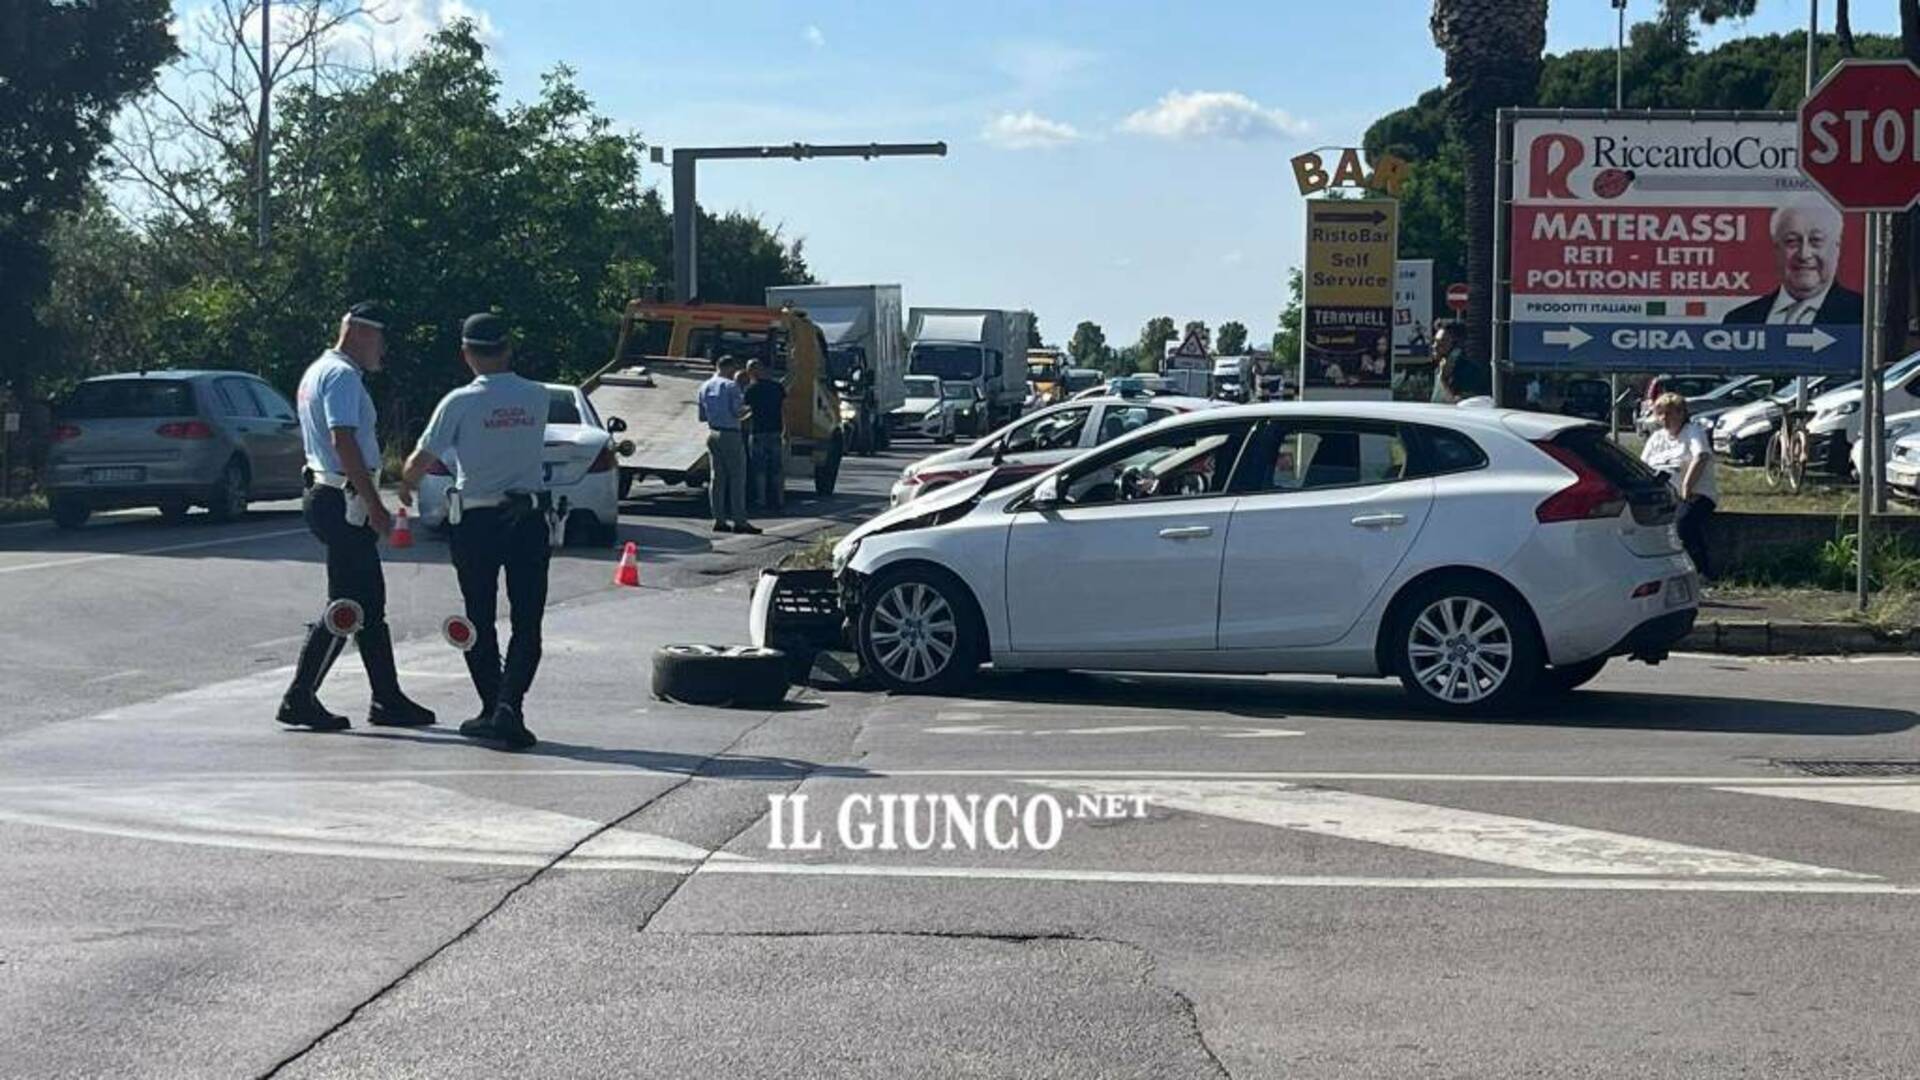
(116, 676)
(1522, 843)
(103, 556)
(1292, 881)
(1905, 799)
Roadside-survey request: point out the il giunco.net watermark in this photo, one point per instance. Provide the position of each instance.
(920, 821)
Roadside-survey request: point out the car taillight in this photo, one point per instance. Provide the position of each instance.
(602, 461)
(63, 432)
(185, 429)
(1590, 496)
(439, 468)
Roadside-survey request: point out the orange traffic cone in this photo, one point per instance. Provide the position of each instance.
(402, 535)
(628, 572)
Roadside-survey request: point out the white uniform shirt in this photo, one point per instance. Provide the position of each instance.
(332, 395)
(1673, 454)
(493, 431)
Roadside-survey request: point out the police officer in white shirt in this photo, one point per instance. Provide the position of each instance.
(495, 429)
(343, 509)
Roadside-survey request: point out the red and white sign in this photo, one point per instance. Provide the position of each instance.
(1457, 296)
(1860, 135)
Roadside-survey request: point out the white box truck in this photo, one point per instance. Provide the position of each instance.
(866, 352)
(984, 346)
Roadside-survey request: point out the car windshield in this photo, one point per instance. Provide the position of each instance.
(1042, 372)
(923, 386)
(945, 361)
(129, 399)
(561, 407)
(961, 390)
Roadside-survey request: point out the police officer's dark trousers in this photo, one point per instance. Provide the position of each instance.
(353, 573)
(488, 540)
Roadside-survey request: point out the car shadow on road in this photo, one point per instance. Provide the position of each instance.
(1278, 699)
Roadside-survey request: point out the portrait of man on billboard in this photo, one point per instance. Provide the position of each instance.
(1806, 251)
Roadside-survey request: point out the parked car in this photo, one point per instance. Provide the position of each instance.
(1740, 434)
(172, 439)
(1687, 386)
(1726, 394)
(1586, 398)
(1477, 554)
(579, 468)
(1144, 385)
(1898, 426)
(1835, 426)
(1040, 440)
(937, 409)
(1903, 466)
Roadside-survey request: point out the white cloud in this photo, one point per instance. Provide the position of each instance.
(1214, 114)
(814, 37)
(1028, 131)
(399, 28)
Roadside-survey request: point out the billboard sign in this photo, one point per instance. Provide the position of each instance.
(1653, 242)
(1348, 293)
(1412, 309)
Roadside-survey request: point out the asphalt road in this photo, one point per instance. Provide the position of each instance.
(1262, 877)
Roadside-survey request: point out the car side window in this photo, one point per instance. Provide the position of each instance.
(1054, 431)
(1120, 420)
(1184, 463)
(1284, 456)
(1442, 451)
(235, 399)
(271, 403)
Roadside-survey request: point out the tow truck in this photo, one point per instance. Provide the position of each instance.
(666, 350)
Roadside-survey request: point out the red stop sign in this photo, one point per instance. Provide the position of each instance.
(1457, 296)
(1860, 135)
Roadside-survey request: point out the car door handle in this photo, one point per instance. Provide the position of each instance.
(1379, 521)
(1187, 532)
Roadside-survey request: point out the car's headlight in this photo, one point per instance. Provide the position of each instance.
(843, 553)
(1847, 409)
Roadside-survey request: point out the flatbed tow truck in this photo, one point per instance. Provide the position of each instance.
(667, 350)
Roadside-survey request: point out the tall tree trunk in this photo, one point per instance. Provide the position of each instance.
(1493, 50)
(1843, 28)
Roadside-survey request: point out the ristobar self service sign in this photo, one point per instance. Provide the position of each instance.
(1348, 293)
(1673, 244)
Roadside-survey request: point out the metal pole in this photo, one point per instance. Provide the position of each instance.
(1878, 447)
(266, 118)
(1619, 54)
(1869, 375)
(1613, 406)
(1813, 39)
(686, 228)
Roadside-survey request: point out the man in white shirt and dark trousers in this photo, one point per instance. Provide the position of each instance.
(494, 430)
(722, 403)
(342, 508)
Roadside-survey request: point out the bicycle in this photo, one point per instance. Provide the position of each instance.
(1786, 460)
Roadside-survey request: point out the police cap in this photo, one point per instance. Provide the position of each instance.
(484, 330)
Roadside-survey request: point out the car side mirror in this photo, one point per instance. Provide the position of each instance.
(1047, 493)
(615, 425)
(999, 451)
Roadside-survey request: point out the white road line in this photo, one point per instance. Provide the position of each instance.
(1522, 843)
(1904, 799)
(103, 556)
(1294, 881)
(127, 674)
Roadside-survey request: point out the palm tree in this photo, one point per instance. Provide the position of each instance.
(1493, 50)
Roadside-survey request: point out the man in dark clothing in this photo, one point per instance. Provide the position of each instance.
(766, 445)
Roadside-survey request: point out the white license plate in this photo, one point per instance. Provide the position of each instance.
(132, 475)
(1679, 592)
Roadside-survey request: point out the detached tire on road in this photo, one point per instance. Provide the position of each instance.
(740, 676)
(1464, 646)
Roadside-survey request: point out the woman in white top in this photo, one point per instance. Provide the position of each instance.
(1680, 450)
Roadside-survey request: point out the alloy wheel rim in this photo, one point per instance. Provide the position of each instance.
(914, 633)
(236, 491)
(1460, 650)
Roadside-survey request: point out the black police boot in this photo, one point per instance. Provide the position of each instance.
(390, 707)
(300, 706)
(510, 728)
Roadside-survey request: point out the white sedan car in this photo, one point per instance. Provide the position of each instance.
(1477, 554)
(936, 409)
(579, 468)
(1039, 441)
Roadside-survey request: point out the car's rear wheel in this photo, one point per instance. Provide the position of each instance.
(1563, 678)
(1465, 646)
(228, 500)
(174, 511)
(917, 632)
(69, 511)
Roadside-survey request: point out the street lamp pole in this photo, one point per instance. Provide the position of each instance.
(1813, 37)
(1619, 55)
(686, 208)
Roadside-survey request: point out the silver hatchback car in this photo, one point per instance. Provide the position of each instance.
(172, 439)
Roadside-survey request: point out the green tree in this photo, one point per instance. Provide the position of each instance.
(1286, 340)
(65, 70)
(1088, 346)
(1233, 338)
(1153, 343)
(1033, 332)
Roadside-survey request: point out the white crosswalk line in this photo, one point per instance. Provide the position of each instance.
(1523, 843)
(1871, 796)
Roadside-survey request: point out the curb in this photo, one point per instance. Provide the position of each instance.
(1766, 638)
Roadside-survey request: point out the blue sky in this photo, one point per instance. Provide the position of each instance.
(1107, 160)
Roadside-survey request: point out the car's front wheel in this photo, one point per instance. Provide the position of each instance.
(917, 633)
(1465, 646)
(69, 511)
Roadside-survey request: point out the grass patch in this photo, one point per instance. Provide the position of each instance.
(1893, 566)
(31, 507)
(815, 556)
